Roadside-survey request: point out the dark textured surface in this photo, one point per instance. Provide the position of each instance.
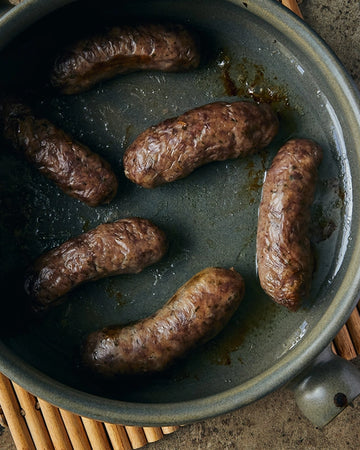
(337, 22)
(275, 422)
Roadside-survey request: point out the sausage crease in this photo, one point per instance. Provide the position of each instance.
(197, 312)
(214, 132)
(284, 257)
(73, 167)
(125, 246)
(124, 49)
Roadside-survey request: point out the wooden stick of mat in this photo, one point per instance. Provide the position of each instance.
(169, 430)
(353, 325)
(136, 436)
(347, 341)
(3, 422)
(344, 345)
(14, 418)
(293, 6)
(118, 437)
(33, 418)
(96, 433)
(153, 434)
(75, 430)
(55, 425)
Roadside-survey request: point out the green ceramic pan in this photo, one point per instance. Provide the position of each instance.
(253, 50)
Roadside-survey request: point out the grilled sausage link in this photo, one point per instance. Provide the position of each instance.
(197, 312)
(73, 167)
(214, 132)
(125, 246)
(284, 257)
(124, 49)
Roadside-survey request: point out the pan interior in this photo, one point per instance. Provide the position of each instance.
(210, 217)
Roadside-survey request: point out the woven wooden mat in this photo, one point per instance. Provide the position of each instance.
(36, 424)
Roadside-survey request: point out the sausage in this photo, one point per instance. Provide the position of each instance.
(197, 312)
(214, 132)
(73, 167)
(125, 246)
(284, 255)
(124, 49)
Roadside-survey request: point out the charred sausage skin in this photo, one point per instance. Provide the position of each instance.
(125, 246)
(73, 167)
(124, 49)
(197, 312)
(284, 256)
(214, 132)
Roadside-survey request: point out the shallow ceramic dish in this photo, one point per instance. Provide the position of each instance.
(253, 50)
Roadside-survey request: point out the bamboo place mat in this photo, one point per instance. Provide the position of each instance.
(36, 424)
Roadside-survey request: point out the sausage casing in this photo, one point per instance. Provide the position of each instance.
(197, 312)
(124, 49)
(125, 246)
(214, 132)
(73, 167)
(284, 256)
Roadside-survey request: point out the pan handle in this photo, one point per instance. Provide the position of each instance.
(326, 387)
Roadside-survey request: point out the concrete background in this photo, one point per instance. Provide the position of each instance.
(275, 422)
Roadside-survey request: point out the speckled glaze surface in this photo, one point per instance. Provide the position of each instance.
(326, 387)
(210, 217)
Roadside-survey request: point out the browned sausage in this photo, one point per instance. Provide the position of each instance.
(284, 257)
(197, 312)
(124, 49)
(126, 246)
(73, 167)
(214, 132)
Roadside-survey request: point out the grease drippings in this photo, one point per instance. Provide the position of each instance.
(248, 80)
